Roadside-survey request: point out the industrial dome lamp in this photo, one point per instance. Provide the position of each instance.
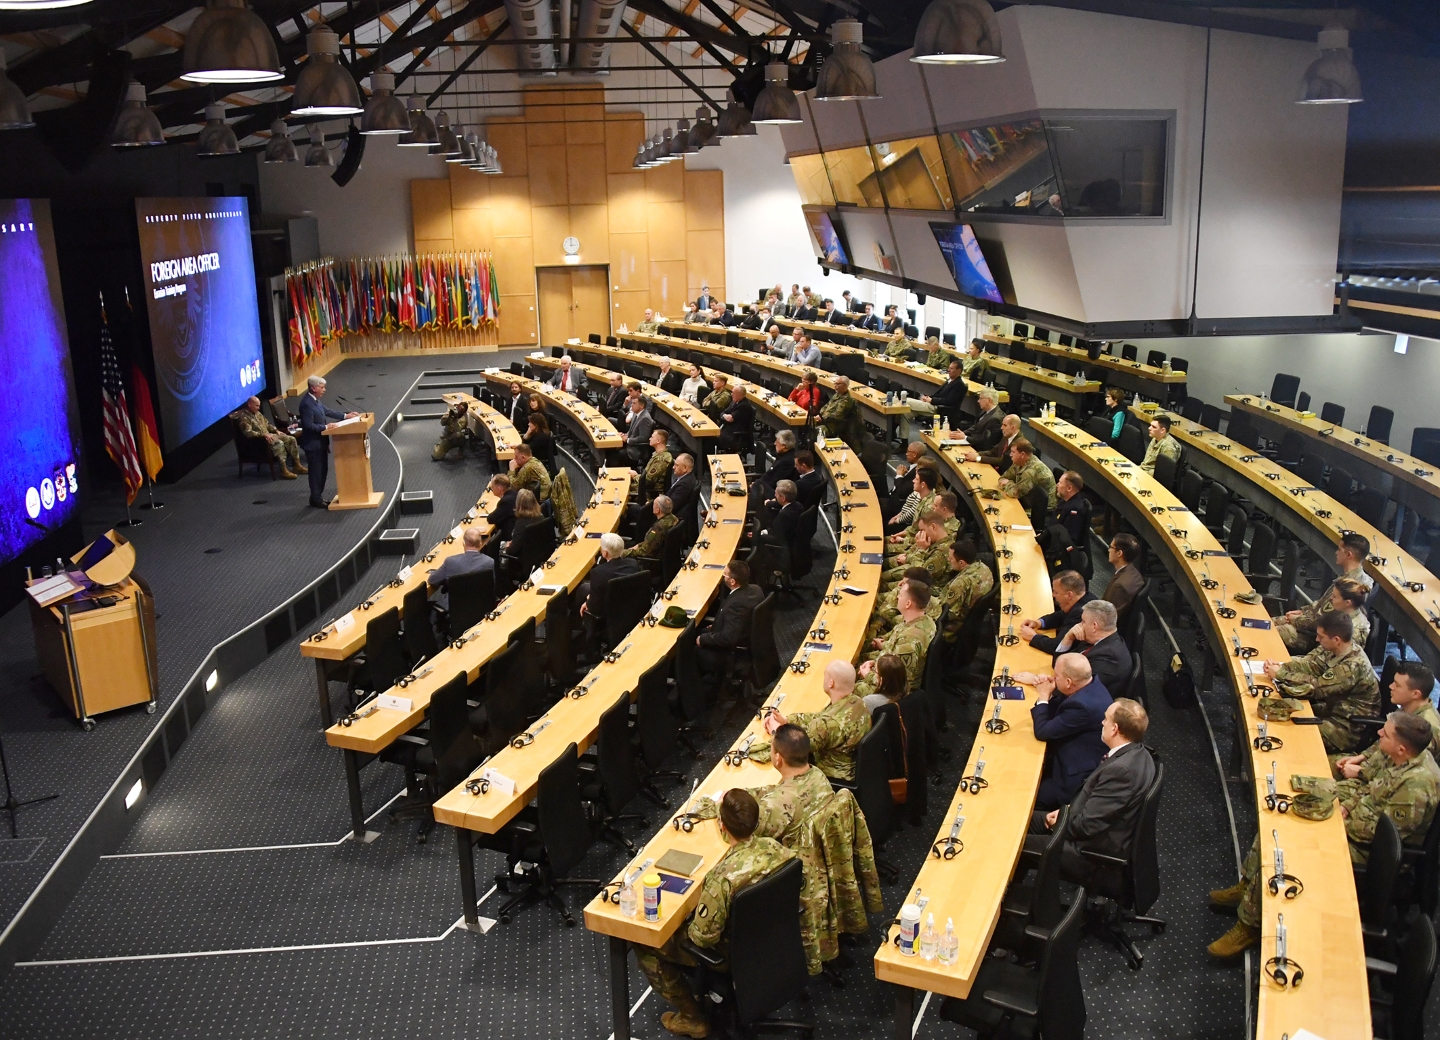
(1332, 78)
(325, 87)
(776, 103)
(958, 32)
(229, 43)
(847, 75)
(136, 126)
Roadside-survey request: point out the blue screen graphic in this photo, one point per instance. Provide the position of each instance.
(204, 322)
(37, 469)
(967, 264)
(827, 238)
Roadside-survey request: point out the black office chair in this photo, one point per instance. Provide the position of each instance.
(1235, 536)
(1332, 413)
(1210, 416)
(1192, 487)
(1191, 408)
(1131, 443)
(1131, 621)
(500, 715)
(1034, 902)
(687, 692)
(420, 641)
(1217, 508)
(627, 600)
(469, 598)
(1136, 688)
(1037, 505)
(657, 730)
(1131, 884)
(1302, 403)
(1012, 999)
(441, 759)
(528, 551)
(613, 778)
(764, 916)
(1098, 428)
(1375, 884)
(383, 660)
(1339, 484)
(1400, 989)
(544, 844)
(1377, 427)
(1425, 444)
(1292, 446)
(1129, 352)
(1372, 505)
(1312, 471)
(559, 642)
(1284, 389)
(871, 787)
(1155, 358)
(1257, 568)
(1244, 432)
(672, 552)
(1165, 471)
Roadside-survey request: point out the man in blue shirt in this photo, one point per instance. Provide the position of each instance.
(313, 420)
(806, 352)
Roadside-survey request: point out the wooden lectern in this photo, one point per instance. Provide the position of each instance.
(350, 445)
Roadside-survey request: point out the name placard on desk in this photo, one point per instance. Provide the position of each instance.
(342, 623)
(386, 700)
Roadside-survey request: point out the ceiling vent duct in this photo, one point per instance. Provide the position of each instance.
(599, 19)
(531, 22)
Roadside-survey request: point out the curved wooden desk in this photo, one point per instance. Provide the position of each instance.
(1132, 375)
(693, 425)
(922, 379)
(1324, 922)
(1049, 384)
(1408, 480)
(970, 888)
(502, 435)
(800, 690)
(572, 561)
(577, 719)
(579, 414)
(1319, 521)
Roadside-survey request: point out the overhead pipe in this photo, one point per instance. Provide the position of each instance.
(599, 20)
(532, 23)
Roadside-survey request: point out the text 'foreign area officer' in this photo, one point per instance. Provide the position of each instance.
(314, 419)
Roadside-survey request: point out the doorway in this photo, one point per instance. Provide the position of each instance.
(574, 302)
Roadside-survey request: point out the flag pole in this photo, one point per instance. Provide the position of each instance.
(129, 521)
(150, 490)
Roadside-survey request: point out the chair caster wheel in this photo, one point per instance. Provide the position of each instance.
(569, 921)
(1157, 929)
(87, 724)
(504, 918)
(150, 708)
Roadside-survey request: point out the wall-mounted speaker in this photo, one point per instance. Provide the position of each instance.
(354, 152)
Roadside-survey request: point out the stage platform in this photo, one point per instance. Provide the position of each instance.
(239, 568)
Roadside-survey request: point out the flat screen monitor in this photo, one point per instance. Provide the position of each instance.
(38, 467)
(967, 263)
(827, 237)
(204, 320)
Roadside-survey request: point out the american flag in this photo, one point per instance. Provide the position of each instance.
(119, 436)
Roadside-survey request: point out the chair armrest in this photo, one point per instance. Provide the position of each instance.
(1414, 857)
(1016, 1002)
(1037, 933)
(1382, 967)
(406, 738)
(706, 956)
(1101, 857)
(1374, 933)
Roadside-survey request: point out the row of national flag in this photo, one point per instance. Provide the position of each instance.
(333, 298)
(120, 443)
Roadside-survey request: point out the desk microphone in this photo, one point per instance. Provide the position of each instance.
(349, 404)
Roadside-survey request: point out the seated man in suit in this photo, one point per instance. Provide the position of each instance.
(502, 517)
(829, 314)
(809, 482)
(570, 378)
(472, 559)
(1127, 582)
(984, 432)
(1071, 595)
(780, 517)
(998, 455)
(613, 563)
(869, 321)
(312, 440)
(612, 405)
(1105, 814)
(756, 319)
(736, 423)
(1096, 639)
(949, 399)
(670, 379)
(783, 468)
(728, 626)
(1067, 717)
(777, 343)
(904, 482)
(637, 427)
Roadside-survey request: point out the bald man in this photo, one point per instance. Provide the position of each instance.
(253, 424)
(1068, 717)
(835, 731)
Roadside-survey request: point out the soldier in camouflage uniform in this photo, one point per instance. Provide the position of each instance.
(657, 471)
(1161, 443)
(1026, 472)
(528, 472)
(939, 357)
(455, 431)
(973, 581)
(649, 326)
(834, 731)
(975, 364)
(1410, 692)
(282, 445)
(887, 614)
(932, 552)
(923, 497)
(841, 417)
(1405, 787)
(898, 346)
(1336, 678)
(654, 539)
(749, 858)
(720, 398)
(1297, 627)
(908, 551)
(909, 640)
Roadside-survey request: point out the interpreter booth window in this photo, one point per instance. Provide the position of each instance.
(911, 173)
(852, 175)
(811, 180)
(1103, 167)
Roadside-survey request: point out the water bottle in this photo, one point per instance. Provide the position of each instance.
(909, 929)
(651, 883)
(949, 944)
(629, 904)
(928, 939)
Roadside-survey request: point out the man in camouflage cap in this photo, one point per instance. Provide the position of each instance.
(909, 640)
(528, 472)
(454, 431)
(657, 471)
(1405, 788)
(1410, 692)
(835, 730)
(1336, 678)
(841, 417)
(1025, 473)
(972, 582)
(748, 859)
(1297, 627)
(282, 445)
(654, 539)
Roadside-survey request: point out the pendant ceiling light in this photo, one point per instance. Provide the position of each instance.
(39, 5)
(776, 103)
(384, 112)
(847, 75)
(496, 166)
(639, 163)
(14, 109)
(958, 32)
(280, 149)
(702, 134)
(735, 121)
(216, 137)
(668, 153)
(462, 147)
(446, 143)
(1332, 78)
(229, 43)
(422, 127)
(686, 139)
(319, 153)
(324, 87)
(136, 126)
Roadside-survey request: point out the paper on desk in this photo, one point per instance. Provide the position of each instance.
(52, 590)
(1305, 1034)
(1254, 666)
(345, 422)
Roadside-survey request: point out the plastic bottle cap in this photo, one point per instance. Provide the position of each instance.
(652, 880)
(909, 912)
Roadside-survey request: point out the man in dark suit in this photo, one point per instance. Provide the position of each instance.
(1127, 582)
(670, 380)
(756, 319)
(984, 432)
(783, 468)
(502, 517)
(731, 625)
(736, 422)
(998, 455)
(1067, 717)
(723, 316)
(613, 564)
(1069, 526)
(831, 315)
(1096, 639)
(1071, 595)
(570, 378)
(781, 519)
(809, 482)
(638, 427)
(806, 313)
(472, 559)
(313, 420)
(704, 301)
(950, 398)
(683, 492)
(613, 406)
(870, 320)
(1105, 813)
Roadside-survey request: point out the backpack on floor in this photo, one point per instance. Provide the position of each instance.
(1179, 687)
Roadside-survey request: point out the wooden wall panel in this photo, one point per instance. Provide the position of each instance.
(552, 224)
(468, 189)
(544, 124)
(430, 208)
(668, 290)
(704, 200)
(472, 229)
(666, 224)
(627, 203)
(590, 224)
(629, 307)
(434, 245)
(510, 206)
(623, 136)
(509, 140)
(705, 261)
(547, 176)
(514, 266)
(665, 183)
(518, 324)
(585, 172)
(630, 262)
(588, 127)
